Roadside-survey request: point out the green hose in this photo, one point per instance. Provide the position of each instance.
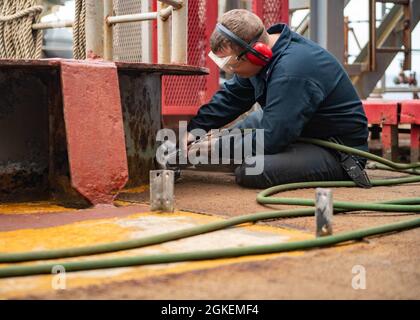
(364, 154)
(402, 205)
(208, 254)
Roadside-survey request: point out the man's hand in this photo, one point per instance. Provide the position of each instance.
(191, 148)
(207, 144)
(203, 145)
(185, 140)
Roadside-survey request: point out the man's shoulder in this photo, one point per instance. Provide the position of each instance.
(307, 61)
(292, 75)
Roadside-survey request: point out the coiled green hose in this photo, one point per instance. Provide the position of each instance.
(402, 205)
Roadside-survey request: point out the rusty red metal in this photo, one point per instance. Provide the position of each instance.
(381, 112)
(385, 113)
(44, 153)
(410, 114)
(94, 129)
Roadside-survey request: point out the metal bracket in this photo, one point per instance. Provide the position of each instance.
(323, 212)
(162, 190)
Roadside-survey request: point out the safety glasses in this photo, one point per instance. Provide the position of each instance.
(226, 63)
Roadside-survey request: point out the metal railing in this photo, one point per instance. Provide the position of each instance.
(373, 47)
(172, 44)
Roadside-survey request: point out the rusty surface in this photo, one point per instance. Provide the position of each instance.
(385, 113)
(33, 157)
(164, 69)
(46, 220)
(141, 104)
(415, 143)
(29, 64)
(23, 133)
(381, 112)
(59, 171)
(34, 162)
(94, 129)
(410, 111)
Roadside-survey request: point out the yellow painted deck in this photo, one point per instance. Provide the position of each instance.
(90, 232)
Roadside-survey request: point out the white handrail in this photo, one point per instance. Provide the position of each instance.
(52, 25)
(99, 22)
(177, 4)
(146, 16)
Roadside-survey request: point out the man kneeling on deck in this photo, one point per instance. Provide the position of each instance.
(303, 92)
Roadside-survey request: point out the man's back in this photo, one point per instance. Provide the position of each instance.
(303, 91)
(340, 112)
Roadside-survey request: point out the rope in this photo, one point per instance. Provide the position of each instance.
(17, 38)
(79, 35)
(20, 14)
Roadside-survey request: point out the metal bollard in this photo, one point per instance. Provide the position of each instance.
(323, 212)
(162, 190)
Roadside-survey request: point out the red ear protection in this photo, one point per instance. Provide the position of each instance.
(263, 49)
(256, 52)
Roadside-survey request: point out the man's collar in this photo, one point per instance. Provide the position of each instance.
(283, 41)
(281, 44)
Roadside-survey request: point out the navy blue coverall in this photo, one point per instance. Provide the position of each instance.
(304, 92)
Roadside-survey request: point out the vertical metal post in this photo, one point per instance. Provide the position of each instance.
(108, 37)
(146, 31)
(323, 211)
(372, 36)
(346, 40)
(383, 79)
(327, 25)
(164, 53)
(94, 29)
(162, 190)
(407, 36)
(180, 34)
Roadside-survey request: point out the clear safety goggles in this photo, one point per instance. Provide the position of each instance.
(226, 63)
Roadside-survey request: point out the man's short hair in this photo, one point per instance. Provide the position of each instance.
(243, 23)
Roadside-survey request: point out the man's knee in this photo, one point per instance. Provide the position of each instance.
(245, 178)
(290, 166)
(262, 171)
